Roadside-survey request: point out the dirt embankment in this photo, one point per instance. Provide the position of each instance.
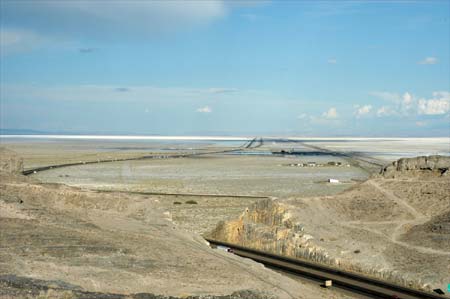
(394, 227)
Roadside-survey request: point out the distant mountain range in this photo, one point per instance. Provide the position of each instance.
(21, 132)
(206, 134)
(37, 132)
(103, 133)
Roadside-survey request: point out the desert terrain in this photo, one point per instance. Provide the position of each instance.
(59, 241)
(130, 227)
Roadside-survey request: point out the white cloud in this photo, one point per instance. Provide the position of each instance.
(10, 37)
(407, 99)
(442, 94)
(330, 114)
(385, 111)
(205, 109)
(332, 61)
(302, 116)
(437, 105)
(428, 60)
(363, 110)
(219, 90)
(129, 93)
(117, 20)
(407, 104)
(434, 106)
(18, 40)
(53, 23)
(402, 104)
(385, 95)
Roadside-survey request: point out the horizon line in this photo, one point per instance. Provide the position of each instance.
(200, 137)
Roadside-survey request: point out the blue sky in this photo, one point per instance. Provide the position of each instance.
(348, 68)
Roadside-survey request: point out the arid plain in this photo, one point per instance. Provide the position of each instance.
(130, 227)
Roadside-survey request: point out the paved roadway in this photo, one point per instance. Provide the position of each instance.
(353, 282)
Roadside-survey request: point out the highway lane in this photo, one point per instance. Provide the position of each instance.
(354, 282)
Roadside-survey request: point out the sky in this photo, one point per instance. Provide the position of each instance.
(287, 68)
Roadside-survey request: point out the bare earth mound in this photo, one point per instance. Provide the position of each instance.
(434, 233)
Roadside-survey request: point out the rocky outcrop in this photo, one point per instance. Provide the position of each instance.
(268, 226)
(438, 164)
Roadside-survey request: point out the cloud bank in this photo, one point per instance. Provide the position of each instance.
(429, 60)
(19, 40)
(330, 113)
(438, 105)
(27, 23)
(98, 18)
(205, 109)
(408, 104)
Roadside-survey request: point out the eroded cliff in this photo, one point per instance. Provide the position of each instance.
(427, 165)
(269, 226)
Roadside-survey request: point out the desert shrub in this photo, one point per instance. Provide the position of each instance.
(177, 203)
(191, 202)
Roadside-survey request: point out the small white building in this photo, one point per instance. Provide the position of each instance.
(333, 181)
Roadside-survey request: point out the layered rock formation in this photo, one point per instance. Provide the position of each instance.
(437, 164)
(268, 226)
